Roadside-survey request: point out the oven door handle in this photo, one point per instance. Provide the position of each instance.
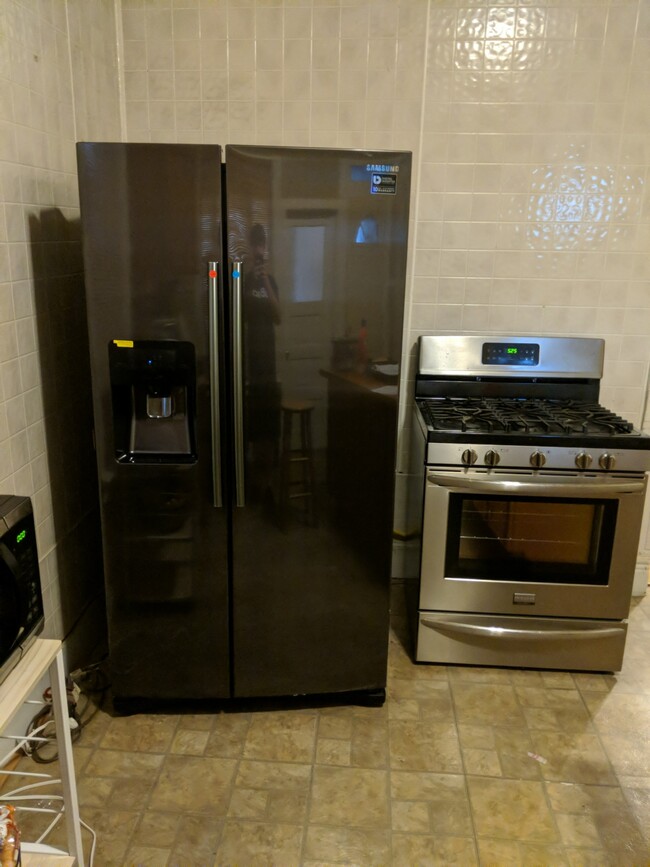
(537, 488)
(509, 632)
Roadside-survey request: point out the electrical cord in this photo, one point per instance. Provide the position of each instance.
(86, 690)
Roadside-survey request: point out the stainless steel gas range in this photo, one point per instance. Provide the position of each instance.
(531, 497)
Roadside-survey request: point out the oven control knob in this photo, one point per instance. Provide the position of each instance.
(583, 461)
(537, 460)
(469, 457)
(491, 458)
(606, 461)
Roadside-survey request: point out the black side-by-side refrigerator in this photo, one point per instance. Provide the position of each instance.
(245, 326)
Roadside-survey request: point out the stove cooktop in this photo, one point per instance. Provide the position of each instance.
(516, 416)
(513, 428)
(515, 432)
(521, 402)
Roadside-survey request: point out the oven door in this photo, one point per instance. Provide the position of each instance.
(530, 544)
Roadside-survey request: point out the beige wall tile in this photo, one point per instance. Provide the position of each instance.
(60, 84)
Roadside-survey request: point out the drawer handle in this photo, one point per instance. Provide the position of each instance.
(512, 633)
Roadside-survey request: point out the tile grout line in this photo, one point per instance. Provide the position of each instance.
(389, 768)
(147, 800)
(305, 823)
(233, 784)
(547, 797)
(615, 774)
(464, 772)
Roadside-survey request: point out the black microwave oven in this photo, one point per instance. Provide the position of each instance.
(21, 601)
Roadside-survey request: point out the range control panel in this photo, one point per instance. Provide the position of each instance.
(519, 354)
(537, 458)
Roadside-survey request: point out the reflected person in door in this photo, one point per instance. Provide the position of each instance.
(262, 313)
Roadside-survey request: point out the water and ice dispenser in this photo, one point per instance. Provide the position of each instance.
(153, 391)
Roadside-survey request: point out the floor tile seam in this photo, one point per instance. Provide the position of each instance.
(266, 761)
(310, 788)
(252, 820)
(372, 829)
(389, 789)
(114, 782)
(614, 773)
(643, 834)
(532, 733)
(233, 786)
(596, 850)
(140, 752)
(434, 833)
(464, 770)
(180, 813)
(552, 707)
(509, 837)
(553, 813)
(616, 785)
(456, 774)
(591, 717)
(145, 806)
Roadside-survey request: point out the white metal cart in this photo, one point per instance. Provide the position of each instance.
(45, 657)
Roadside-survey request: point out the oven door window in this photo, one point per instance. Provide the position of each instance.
(554, 541)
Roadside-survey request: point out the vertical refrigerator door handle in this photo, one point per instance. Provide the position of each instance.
(213, 291)
(238, 382)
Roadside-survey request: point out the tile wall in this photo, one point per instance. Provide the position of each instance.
(57, 82)
(533, 210)
(530, 126)
(299, 73)
(529, 121)
(533, 207)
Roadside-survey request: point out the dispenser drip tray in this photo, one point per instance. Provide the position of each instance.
(157, 438)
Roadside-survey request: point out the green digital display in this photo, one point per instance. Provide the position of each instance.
(512, 354)
(21, 535)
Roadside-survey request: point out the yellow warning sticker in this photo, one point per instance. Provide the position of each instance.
(128, 344)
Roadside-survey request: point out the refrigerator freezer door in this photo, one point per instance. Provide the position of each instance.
(321, 237)
(152, 234)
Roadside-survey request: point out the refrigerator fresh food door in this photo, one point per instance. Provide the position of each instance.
(151, 219)
(317, 247)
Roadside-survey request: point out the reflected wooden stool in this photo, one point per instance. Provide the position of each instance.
(297, 477)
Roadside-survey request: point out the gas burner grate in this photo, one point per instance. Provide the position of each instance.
(521, 416)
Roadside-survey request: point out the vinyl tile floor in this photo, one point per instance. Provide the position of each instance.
(460, 766)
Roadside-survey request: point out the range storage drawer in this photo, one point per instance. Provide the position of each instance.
(521, 642)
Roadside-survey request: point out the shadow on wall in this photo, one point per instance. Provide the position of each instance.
(67, 409)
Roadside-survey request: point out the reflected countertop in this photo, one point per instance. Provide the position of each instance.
(367, 381)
